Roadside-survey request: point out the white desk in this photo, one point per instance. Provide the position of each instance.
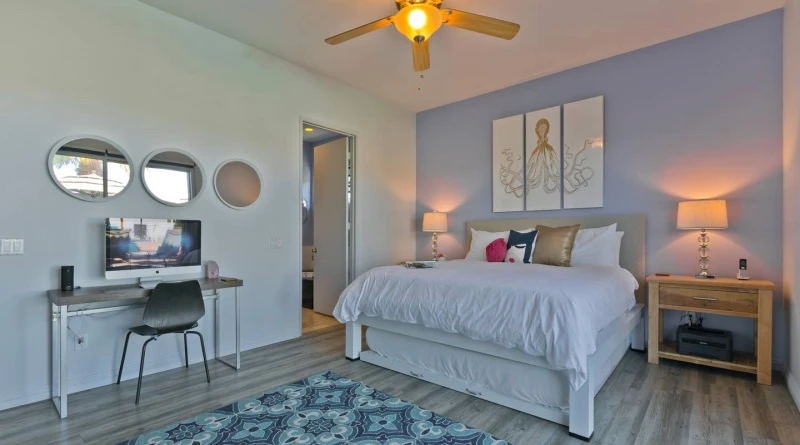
(115, 298)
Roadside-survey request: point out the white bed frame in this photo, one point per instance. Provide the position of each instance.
(579, 416)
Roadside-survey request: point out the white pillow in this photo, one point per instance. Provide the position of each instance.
(602, 250)
(516, 255)
(480, 240)
(585, 236)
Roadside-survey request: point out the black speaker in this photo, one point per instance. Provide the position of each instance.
(67, 277)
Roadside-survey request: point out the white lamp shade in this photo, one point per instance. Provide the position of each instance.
(704, 214)
(434, 222)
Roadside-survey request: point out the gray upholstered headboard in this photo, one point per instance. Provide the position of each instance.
(632, 253)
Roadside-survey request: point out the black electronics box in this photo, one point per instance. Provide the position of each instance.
(703, 342)
(67, 278)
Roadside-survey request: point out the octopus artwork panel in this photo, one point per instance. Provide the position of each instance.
(583, 154)
(508, 165)
(543, 159)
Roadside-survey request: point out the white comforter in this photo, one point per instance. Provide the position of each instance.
(555, 312)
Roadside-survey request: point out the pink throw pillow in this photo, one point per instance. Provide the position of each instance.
(496, 251)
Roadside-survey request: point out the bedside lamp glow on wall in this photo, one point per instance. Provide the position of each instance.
(703, 215)
(436, 223)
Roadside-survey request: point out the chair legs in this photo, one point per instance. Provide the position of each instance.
(124, 351)
(203, 347)
(144, 350)
(141, 369)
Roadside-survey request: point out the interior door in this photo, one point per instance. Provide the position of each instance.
(330, 224)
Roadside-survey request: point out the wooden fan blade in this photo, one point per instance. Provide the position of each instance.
(360, 31)
(479, 23)
(422, 55)
(404, 3)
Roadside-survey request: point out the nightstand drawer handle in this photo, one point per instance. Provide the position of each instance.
(705, 298)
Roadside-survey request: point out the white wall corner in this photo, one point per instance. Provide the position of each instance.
(791, 179)
(794, 388)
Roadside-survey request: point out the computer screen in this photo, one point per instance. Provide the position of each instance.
(139, 247)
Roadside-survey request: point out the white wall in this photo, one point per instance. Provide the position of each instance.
(148, 80)
(791, 182)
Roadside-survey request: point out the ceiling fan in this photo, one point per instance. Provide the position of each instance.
(419, 19)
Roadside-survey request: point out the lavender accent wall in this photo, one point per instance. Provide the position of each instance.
(697, 117)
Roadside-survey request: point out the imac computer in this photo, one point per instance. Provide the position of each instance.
(151, 248)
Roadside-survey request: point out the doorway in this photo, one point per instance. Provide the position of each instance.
(327, 212)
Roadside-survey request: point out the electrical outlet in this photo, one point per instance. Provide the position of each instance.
(81, 342)
(275, 243)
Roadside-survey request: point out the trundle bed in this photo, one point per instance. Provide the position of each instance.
(546, 352)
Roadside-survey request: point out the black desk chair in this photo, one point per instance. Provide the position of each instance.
(173, 308)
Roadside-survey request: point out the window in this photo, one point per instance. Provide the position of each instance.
(91, 173)
(168, 182)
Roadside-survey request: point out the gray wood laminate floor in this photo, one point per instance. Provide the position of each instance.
(672, 403)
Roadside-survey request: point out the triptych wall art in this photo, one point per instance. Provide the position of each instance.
(540, 164)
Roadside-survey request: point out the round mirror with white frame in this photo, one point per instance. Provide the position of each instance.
(91, 168)
(237, 183)
(173, 177)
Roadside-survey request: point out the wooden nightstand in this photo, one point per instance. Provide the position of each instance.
(725, 296)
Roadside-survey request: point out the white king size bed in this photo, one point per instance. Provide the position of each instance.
(535, 338)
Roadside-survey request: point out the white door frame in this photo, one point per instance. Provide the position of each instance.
(351, 211)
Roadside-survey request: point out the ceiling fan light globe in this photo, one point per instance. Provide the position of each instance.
(418, 20)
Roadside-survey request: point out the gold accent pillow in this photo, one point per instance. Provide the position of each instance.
(554, 245)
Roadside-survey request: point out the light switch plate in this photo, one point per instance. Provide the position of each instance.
(275, 243)
(12, 246)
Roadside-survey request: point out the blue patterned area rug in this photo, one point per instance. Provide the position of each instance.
(322, 409)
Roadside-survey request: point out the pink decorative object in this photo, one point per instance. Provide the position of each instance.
(212, 270)
(496, 251)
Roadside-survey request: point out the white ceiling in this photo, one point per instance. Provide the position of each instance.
(555, 35)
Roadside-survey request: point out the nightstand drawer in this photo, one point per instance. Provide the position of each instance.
(730, 300)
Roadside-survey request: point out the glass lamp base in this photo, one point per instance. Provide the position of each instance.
(704, 251)
(699, 275)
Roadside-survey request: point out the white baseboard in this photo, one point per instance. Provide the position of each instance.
(38, 393)
(794, 387)
(26, 396)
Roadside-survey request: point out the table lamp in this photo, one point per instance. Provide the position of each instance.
(435, 222)
(703, 215)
